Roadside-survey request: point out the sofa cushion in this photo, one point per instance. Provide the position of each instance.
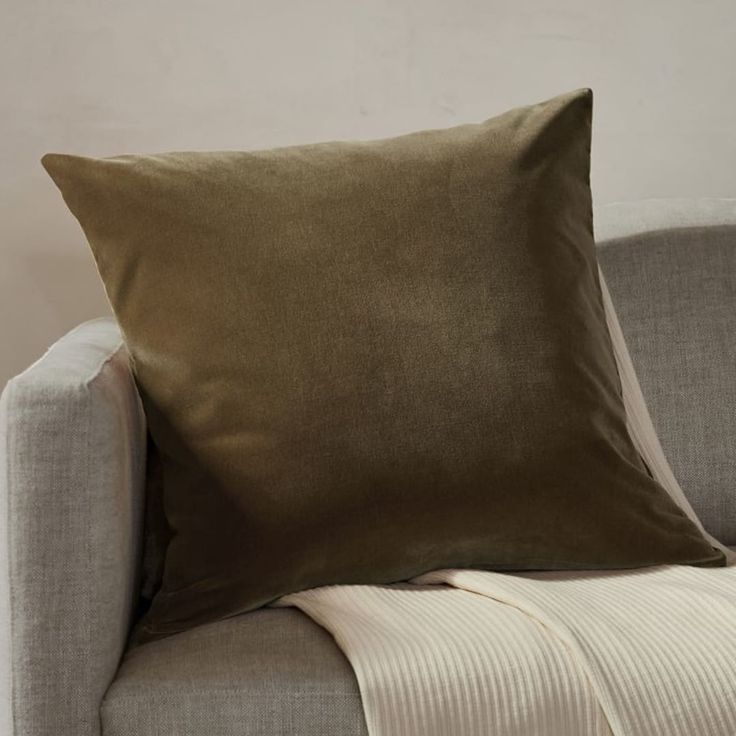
(269, 672)
(674, 290)
(363, 361)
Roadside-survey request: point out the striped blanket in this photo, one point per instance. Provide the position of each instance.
(466, 653)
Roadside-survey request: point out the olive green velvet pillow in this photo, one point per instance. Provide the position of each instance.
(364, 361)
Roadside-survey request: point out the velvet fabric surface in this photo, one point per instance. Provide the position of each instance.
(361, 361)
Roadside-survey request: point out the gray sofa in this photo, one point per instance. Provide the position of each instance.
(72, 461)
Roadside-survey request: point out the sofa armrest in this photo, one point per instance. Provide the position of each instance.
(72, 457)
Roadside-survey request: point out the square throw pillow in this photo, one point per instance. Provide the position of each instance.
(364, 361)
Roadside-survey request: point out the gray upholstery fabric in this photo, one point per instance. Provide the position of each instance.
(72, 437)
(264, 673)
(674, 289)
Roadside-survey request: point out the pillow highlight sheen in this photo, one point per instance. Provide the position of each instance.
(361, 361)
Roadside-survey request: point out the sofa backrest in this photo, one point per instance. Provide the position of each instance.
(670, 266)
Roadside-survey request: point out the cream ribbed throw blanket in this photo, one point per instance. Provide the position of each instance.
(647, 653)
(463, 653)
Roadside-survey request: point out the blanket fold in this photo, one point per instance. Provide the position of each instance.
(437, 661)
(462, 652)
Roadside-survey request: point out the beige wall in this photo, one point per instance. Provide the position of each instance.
(101, 78)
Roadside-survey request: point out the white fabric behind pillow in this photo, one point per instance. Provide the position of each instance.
(640, 424)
